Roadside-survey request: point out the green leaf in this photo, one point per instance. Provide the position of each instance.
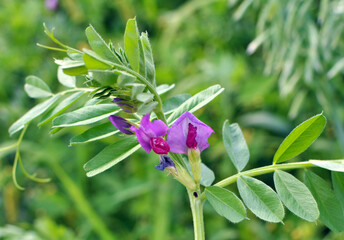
(148, 57)
(338, 186)
(172, 103)
(75, 55)
(85, 115)
(32, 113)
(95, 133)
(296, 196)
(235, 145)
(331, 212)
(111, 155)
(75, 69)
(64, 79)
(145, 108)
(300, 138)
(144, 97)
(226, 203)
(94, 61)
(131, 44)
(136, 89)
(332, 165)
(61, 107)
(207, 175)
(260, 199)
(142, 64)
(196, 102)
(99, 46)
(36, 87)
(161, 89)
(105, 78)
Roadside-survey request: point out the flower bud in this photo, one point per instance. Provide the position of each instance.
(125, 105)
(121, 124)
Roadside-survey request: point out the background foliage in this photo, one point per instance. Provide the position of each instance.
(280, 63)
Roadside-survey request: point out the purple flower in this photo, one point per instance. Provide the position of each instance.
(150, 134)
(165, 162)
(52, 5)
(188, 132)
(124, 105)
(121, 124)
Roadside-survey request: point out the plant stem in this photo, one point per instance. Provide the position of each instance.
(260, 171)
(16, 158)
(159, 113)
(8, 147)
(197, 214)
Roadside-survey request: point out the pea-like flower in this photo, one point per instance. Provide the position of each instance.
(150, 135)
(188, 132)
(121, 124)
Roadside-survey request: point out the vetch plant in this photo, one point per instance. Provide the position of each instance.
(124, 94)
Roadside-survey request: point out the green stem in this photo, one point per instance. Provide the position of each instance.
(28, 175)
(16, 158)
(197, 214)
(8, 147)
(260, 171)
(159, 113)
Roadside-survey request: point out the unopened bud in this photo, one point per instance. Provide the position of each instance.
(121, 124)
(125, 105)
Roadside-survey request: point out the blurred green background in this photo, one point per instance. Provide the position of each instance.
(280, 62)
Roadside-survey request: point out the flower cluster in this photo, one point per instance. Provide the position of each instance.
(186, 133)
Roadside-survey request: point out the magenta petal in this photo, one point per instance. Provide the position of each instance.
(148, 131)
(177, 135)
(143, 139)
(146, 126)
(153, 129)
(159, 145)
(191, 138)
(159, 127)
